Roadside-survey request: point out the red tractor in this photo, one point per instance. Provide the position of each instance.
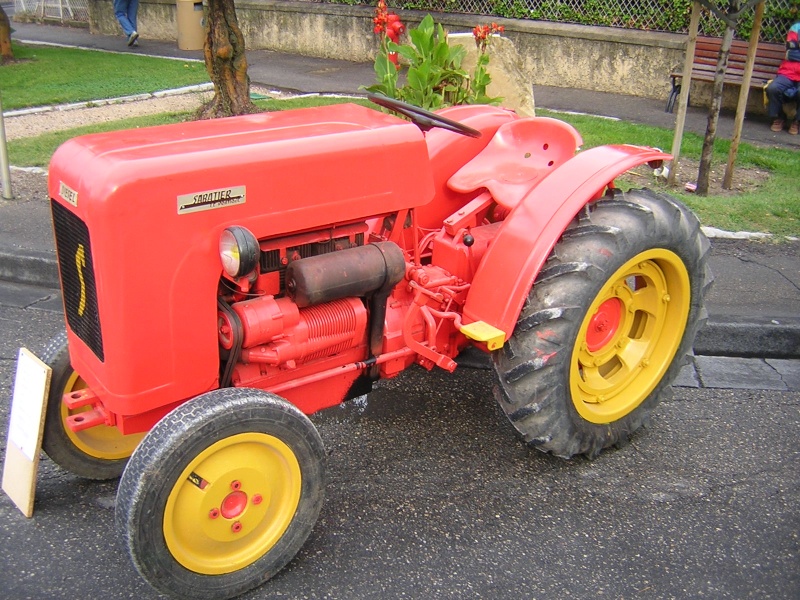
(224, 279)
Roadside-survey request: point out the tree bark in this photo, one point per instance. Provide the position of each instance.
(226, 63)
(716, 105)
(713, 115)
(741, 107)
(6, 53)
(683, 98)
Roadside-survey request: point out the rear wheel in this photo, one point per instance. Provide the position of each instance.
(221, 494)
(95, 453)
(606, 326)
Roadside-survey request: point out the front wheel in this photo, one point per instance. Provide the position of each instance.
(221, 494)
(606, 326)
(96, 453)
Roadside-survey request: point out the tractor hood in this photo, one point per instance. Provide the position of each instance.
(296, 169)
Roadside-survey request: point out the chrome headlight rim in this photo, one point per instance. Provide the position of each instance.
(238, 251)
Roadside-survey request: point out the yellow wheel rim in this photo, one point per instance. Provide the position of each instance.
(629, 336)
(103, 442)
(232, 503)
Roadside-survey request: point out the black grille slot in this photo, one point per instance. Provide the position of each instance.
(270, 261)
(317, 248)
(77, 277)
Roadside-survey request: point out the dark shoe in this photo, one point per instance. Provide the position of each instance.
(777, 124)
(794, 128)
(133, 37)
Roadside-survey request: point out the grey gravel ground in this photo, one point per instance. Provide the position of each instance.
(33, 122)
(36, 123)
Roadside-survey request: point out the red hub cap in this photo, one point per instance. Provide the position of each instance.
(604, 324)
(234, 504)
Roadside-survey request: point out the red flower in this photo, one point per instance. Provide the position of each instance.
(386, 23)
(481, 34)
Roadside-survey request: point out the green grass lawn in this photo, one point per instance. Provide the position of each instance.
(45, 76)
(772, 206)
(56, 75)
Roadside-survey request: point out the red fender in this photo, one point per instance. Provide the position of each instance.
(515, 257)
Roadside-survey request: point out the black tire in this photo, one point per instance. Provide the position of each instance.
(575, 382)
(98, 453)
(237, 446)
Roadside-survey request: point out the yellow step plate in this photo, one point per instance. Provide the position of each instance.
(483, 332)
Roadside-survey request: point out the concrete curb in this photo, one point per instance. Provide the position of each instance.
(192, 89)
(749, 339)
(721, 336)
(30, 267)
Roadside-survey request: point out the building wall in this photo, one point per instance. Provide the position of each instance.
(576, 57)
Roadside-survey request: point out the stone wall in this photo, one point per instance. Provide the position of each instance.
(576, 57)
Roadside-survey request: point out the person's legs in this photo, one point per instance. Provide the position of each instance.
(121, 12)
(133, 11)
(775, 91)
(793, 94)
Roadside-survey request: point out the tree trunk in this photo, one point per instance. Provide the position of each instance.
(716, 105)
(226, 63)
(713, 115)
(6, 54)
(741, 107)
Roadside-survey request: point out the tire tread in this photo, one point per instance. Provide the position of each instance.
(532, 369)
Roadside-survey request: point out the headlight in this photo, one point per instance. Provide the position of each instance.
(239, 251)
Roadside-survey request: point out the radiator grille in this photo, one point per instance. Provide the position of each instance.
(77, 277)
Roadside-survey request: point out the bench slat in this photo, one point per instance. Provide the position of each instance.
(704, 64)
(767, 60)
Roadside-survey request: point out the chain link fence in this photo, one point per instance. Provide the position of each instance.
(649, 15)
(54, 10)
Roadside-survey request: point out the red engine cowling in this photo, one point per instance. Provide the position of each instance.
(314, 345)
(276, 331)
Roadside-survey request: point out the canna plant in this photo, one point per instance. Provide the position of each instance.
(480, 76)
(389, 27)
(434, 78)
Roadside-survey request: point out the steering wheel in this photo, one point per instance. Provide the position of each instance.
(424, 119)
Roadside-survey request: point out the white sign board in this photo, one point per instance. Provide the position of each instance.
(25, 429)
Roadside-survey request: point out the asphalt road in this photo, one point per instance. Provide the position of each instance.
(430, 495)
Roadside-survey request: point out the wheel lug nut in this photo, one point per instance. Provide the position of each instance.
(236, 527)
(257, 499)
(213, 513)
(236, 484)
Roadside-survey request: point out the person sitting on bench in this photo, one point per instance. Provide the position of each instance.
(786, 85)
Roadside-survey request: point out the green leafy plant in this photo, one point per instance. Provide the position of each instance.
(434, 78)
(480, 76)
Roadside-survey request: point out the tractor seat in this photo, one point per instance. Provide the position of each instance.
(517, 158)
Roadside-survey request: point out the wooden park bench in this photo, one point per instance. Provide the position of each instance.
(706, 52)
